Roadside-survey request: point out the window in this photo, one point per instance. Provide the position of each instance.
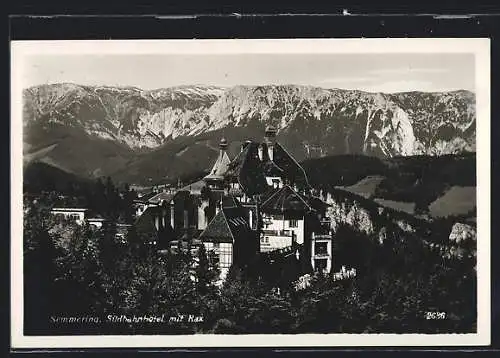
(225, 255)
(293, 223)
(213, 258)
(320, 264)
(320, 248)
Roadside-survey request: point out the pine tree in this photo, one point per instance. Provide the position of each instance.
(82, 285)
(40, 274)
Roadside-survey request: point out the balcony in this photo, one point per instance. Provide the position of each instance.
(322, 236)
(320, 255)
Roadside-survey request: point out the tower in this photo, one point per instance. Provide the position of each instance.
(270, 139)
(215, 179)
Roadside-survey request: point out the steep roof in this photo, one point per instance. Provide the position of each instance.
(145, 198)
(217, 230)
(317, 203)
(194, 188)
(229, 201)
(238, 224)
(228, 225)
(251, 171)
(290, 167)
(220, 166)
(286, 199)
(247, 169)
(163, 196)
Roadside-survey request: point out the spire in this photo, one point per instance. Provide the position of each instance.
(221, 164)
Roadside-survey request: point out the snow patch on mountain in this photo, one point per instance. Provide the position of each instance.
(336, 121)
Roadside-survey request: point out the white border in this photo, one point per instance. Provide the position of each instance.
(479, 47)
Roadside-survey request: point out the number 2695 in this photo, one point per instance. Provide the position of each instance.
(435, 315)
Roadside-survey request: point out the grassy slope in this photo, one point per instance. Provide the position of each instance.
(38, 177)
(75, 151)
(419, 179)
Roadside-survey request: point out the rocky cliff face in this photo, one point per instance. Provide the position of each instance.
(311, 121)
(382, 224)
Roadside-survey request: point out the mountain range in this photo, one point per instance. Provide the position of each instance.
(145, 136)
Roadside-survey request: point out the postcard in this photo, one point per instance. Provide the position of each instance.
(250, 193)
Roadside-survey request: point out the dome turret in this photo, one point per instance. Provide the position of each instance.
(223, 143)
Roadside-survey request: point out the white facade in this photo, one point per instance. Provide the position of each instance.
(76, 214)
(279, 231)
(202, 216)
(275, 182)
(96, 222)
(273, 240)
(282, 223)
(224, 252)
(321, 253)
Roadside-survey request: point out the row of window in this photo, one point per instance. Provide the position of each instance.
(291, 223)
(70, 216)
(223, 255)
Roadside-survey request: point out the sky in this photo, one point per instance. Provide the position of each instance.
(368, 72)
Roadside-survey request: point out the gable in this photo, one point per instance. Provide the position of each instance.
(286, 199)
(217, 230)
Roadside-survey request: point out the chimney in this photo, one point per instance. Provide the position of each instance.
(270, 151)
(172, 211)
(261, 152)
(186, 219)
(218, 206)
(250, 218)
(270, 139)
